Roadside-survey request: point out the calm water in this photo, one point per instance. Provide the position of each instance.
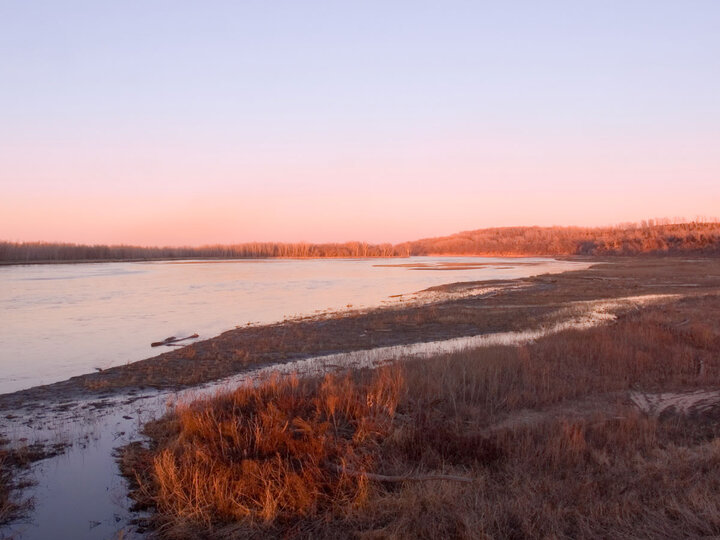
(57, 321)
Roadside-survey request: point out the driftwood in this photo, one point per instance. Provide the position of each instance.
(402, 478)
(171, 340)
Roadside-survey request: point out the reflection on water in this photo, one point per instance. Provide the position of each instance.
(63, 320)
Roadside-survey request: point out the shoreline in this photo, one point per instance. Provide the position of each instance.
(557, 256)
(453, 310)
(71, 320)
(205, 259)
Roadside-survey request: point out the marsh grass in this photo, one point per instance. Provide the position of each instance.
(546, 431)
(262, 454)
(11, 506)
(14, 463)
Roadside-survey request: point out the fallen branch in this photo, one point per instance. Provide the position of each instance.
(172, 339)
(402, 478)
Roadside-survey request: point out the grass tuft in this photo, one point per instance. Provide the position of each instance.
(269, 453)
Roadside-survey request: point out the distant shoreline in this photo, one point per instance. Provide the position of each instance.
(561, 257)
(254, 259)
(198, 259)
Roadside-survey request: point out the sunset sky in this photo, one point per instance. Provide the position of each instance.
(176, 122)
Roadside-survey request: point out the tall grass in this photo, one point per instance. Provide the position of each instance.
(546, 432)
(272, 452)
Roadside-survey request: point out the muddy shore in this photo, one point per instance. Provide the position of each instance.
(449, 311)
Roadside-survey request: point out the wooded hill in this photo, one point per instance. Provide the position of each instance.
(701, 238)
(630, 239)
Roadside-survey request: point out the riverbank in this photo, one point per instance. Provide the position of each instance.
(611, 430)
(103, 411)
(444, 312)
(69, 320)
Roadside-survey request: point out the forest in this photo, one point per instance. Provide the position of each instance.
(652, 237)
(647, 237)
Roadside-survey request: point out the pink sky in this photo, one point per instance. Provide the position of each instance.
(374, 121)
(175, 196)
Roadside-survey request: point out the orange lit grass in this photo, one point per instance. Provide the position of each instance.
(271, 452)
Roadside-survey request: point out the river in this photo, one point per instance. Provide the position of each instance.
(61, 320)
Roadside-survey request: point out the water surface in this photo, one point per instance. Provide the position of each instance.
(57, 321)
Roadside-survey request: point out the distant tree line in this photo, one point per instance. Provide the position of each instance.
(51, 252)
(647, 237)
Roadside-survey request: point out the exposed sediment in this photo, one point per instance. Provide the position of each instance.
(452, 311)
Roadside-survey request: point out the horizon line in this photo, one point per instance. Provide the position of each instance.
(644, 223)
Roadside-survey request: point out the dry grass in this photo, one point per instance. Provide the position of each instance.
(10, 505)
(592, 478)
(14, 462)
(267, 455)
(546, 431)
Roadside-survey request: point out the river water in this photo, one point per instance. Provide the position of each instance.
(57, 321)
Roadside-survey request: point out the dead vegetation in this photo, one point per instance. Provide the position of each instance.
(546, 432)
(14, 463)
(11, 506)
(266, 455)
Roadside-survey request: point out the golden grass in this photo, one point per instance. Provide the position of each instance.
(264, 454)
(546, 431)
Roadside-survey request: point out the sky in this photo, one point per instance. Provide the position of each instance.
(188, 123)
